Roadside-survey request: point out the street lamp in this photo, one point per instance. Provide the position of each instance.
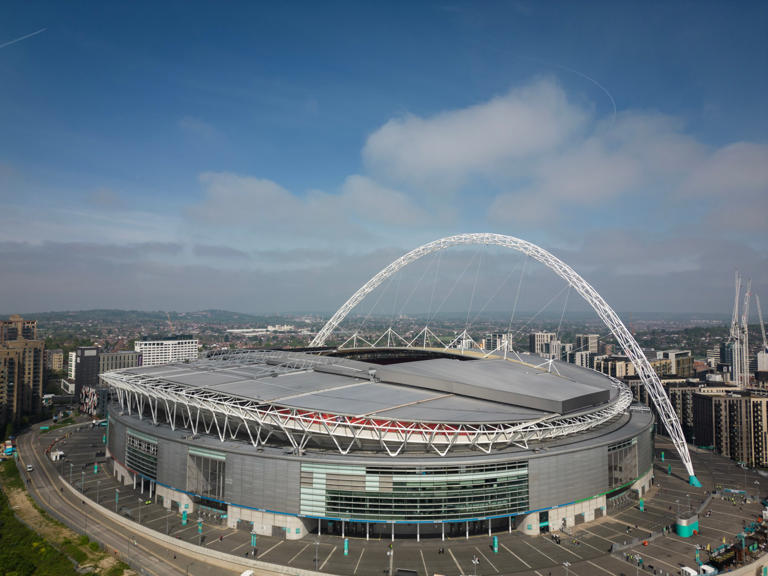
(566, 564)
(757, 489)
(117, 497)
(82, 481)
(70, 473)
(476, 561)
(98, 488)
(139, 499)
(317, 547)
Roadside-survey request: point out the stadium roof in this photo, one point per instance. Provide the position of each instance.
(434, 390)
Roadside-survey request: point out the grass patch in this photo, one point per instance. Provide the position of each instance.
(24, 553)
(65, 422)
(94, 546)
(10, 475)
(117, 570)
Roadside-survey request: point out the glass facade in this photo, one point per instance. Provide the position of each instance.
(403, 494)
(622, 463)
(141, 453)
(206, 473)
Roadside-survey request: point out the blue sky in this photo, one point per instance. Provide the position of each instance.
(194, 155)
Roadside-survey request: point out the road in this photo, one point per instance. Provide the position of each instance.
(132, 547)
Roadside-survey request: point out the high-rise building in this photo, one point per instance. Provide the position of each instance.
(54, 360)
(681, 361)
(16, 328)
(739, 423)
(494, 342)
(72, 365)
(167, 351)
(87, 371)
(584, 359)
(587, 343)
(556, 350)
(537, 342)
(22, 358)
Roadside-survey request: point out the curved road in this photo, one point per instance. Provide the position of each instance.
(133, 547)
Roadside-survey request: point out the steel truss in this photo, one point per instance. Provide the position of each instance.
(200, 410)
(631, 348)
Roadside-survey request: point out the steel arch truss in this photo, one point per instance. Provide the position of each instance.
(207, 411)
(631, 348)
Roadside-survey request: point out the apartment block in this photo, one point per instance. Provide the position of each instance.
(167, 351)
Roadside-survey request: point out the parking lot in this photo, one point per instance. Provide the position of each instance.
(585, 549)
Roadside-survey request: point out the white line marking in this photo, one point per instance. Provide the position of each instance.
(328, 558)
(358, 560)
(515, 555)
(461, 570)
(270, 549)
(424, 562)
(298, 553)
(486, 559)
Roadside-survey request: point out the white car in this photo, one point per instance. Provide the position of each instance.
(29, 467)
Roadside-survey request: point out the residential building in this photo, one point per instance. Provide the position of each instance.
(16, 328)
(537, 342)
(54, 360)
(621, 366)
(72, 365)
(22, 358)
(681, 361)
(167, 351)
(494, 342)
(587, 343)
(584, 359)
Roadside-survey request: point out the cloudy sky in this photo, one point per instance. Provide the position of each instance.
(266, 157)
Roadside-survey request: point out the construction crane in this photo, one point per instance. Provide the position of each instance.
(735, 336)
(762, 326)
(745, 336)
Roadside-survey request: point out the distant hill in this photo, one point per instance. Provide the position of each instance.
(115, 315)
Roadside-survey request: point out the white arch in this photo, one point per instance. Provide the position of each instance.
(606, 313)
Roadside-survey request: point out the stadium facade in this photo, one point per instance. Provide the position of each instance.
(379, 442)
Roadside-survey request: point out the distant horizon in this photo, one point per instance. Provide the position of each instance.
(442, 315)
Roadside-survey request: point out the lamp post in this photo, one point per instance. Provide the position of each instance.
(139, 499)
(117, 497)
(82, 481)
(566, 564)
(98, 489)
(757, 490)
(476, 561)
(70, 473)
(317, 547)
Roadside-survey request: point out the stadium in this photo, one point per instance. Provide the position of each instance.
(385, 442)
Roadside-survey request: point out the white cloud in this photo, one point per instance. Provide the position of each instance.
(448, 148)
(740, 168)
(264, 207)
